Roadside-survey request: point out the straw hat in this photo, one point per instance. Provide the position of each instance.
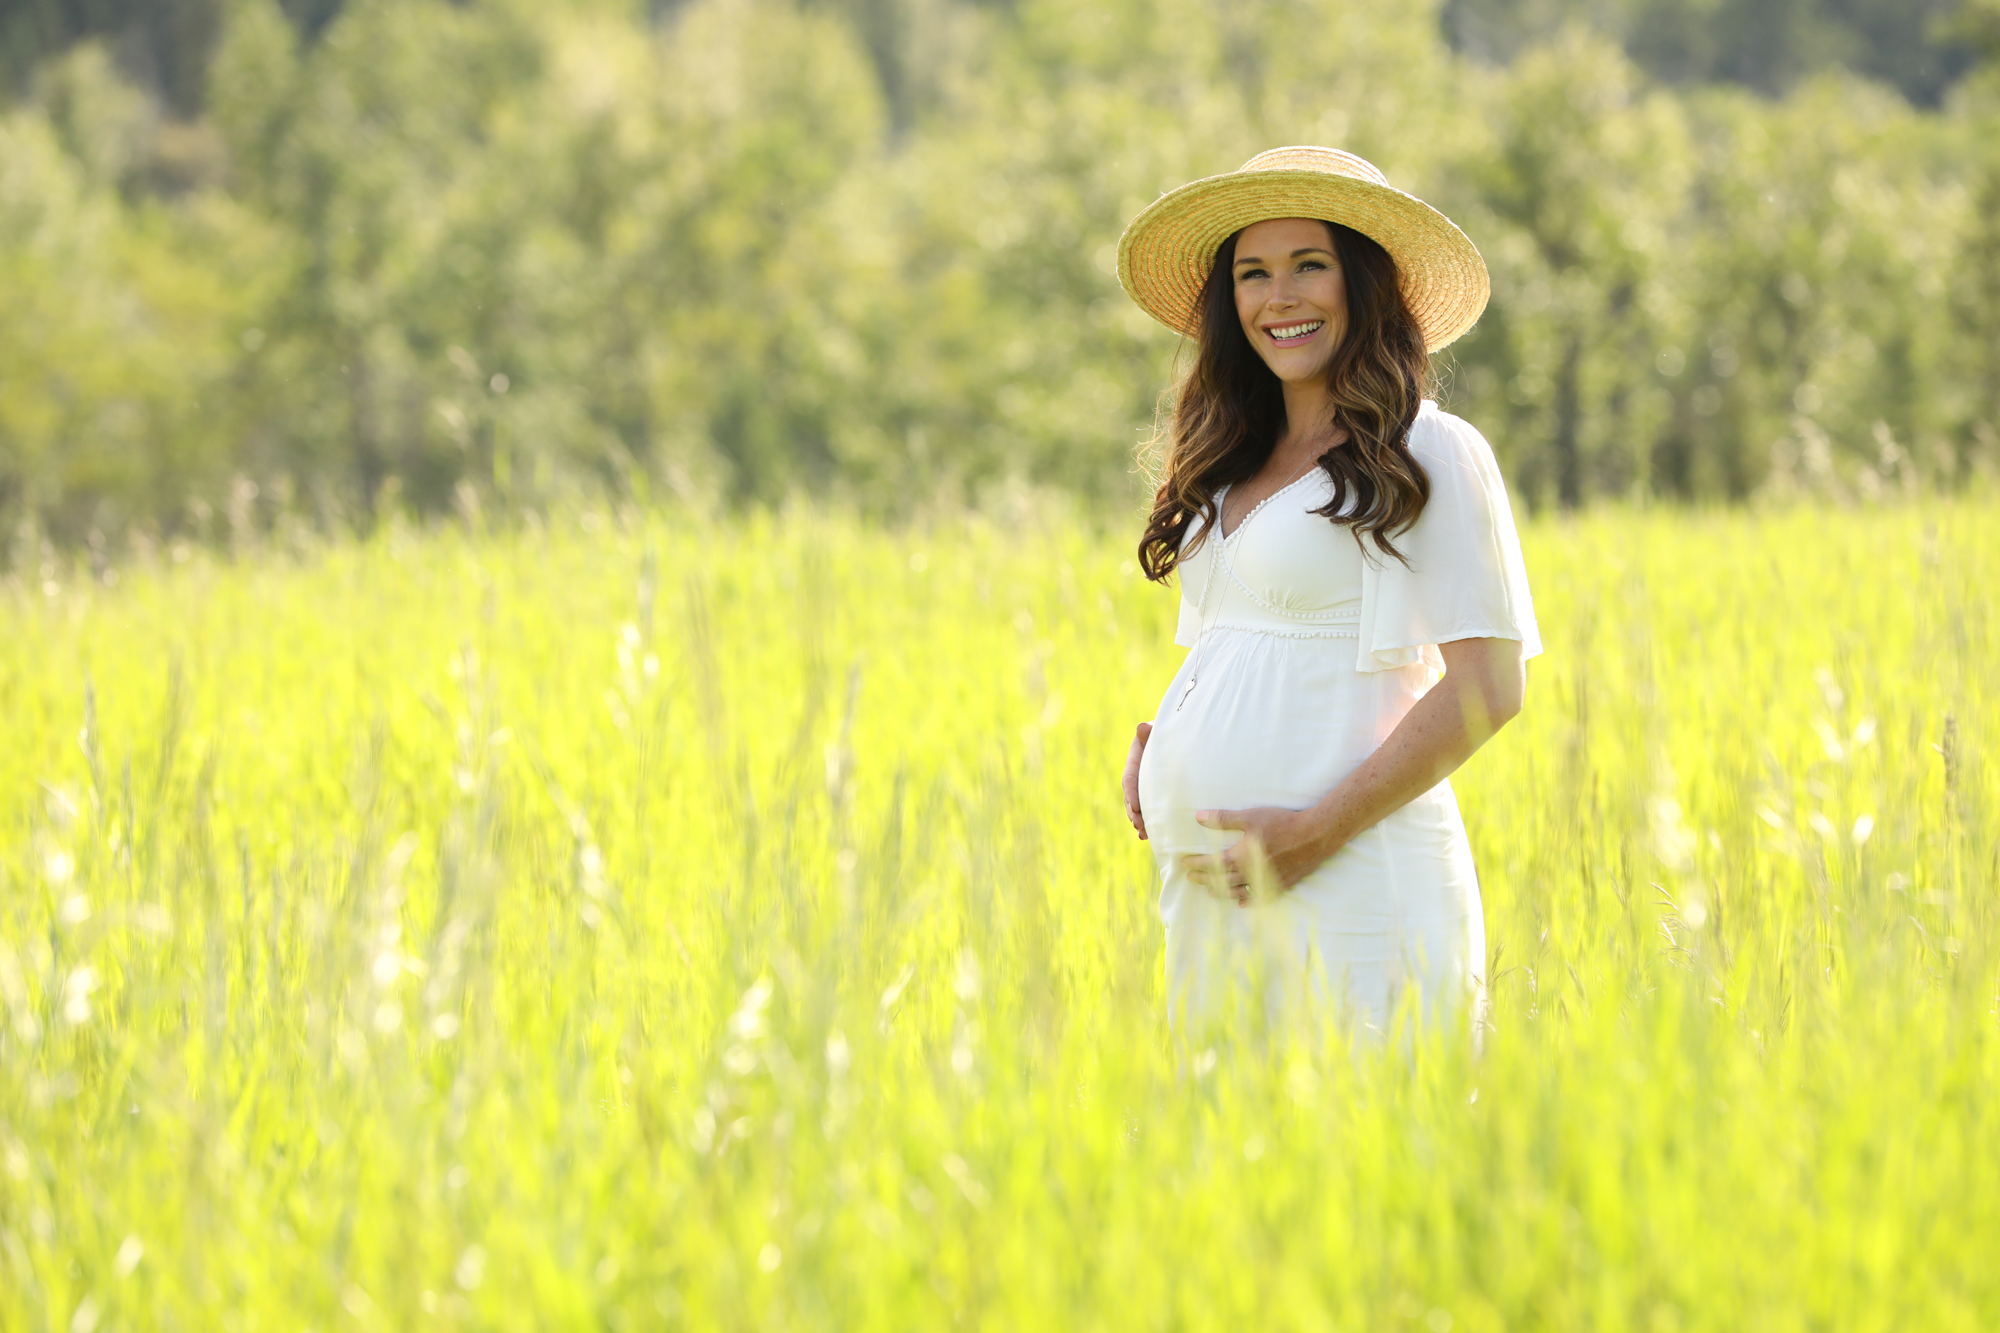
(1165, 255)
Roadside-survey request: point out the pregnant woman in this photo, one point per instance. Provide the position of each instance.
(1352, 594)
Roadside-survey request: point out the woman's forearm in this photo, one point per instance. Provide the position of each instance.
(1480, 691)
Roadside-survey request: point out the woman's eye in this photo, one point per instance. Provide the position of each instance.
(1310, 264)
(1250, 273)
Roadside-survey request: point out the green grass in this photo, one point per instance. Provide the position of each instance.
(675, 924)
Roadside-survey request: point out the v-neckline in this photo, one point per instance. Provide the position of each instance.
(1222, 502)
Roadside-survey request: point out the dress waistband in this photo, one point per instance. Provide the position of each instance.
(1350, 629)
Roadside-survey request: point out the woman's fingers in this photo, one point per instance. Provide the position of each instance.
(1229, 874)
(1130, 782)
(1221, 873)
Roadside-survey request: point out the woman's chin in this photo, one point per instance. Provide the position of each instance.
(1303, 369)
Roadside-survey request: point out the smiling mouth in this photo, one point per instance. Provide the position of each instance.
(1290, 335)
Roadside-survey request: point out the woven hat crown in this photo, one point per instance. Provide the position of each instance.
(1332, 161)
(1165, 254)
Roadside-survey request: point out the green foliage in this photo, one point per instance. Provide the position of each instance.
(116, 353)
(437, 256)
(1921, 47)
(691, 924)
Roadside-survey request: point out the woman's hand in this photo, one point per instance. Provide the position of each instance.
(1279, 848)
(1132, 811)
(1484, 683)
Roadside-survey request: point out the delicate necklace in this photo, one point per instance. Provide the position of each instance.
(1201, 615)
(1215, 540)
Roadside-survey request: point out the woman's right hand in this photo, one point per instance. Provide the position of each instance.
(1132, 811)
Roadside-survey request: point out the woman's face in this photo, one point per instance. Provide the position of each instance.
(1290, 296)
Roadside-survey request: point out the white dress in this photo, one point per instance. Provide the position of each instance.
(1306, 651)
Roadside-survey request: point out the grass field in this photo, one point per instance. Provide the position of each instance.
(734, 925)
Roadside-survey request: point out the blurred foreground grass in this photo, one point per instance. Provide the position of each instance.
(673, 924)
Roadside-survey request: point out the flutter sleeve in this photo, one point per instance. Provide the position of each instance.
(1188, 628)
(1466, 578)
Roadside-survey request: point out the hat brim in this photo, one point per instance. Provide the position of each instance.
(1165, 255)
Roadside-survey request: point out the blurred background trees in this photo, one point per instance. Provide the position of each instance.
(327, 257)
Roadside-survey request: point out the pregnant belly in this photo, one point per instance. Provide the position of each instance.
(1270, 721)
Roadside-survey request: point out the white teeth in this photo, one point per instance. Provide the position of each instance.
(1297, 330)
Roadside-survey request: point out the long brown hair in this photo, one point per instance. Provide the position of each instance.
(1230, 410)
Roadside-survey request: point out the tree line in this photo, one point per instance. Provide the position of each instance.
(426, 255)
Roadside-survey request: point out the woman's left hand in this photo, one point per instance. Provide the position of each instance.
(1278, 849)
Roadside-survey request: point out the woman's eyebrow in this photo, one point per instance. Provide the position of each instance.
(1296, 254)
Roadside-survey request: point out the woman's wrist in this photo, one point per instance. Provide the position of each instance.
(1321, 830)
